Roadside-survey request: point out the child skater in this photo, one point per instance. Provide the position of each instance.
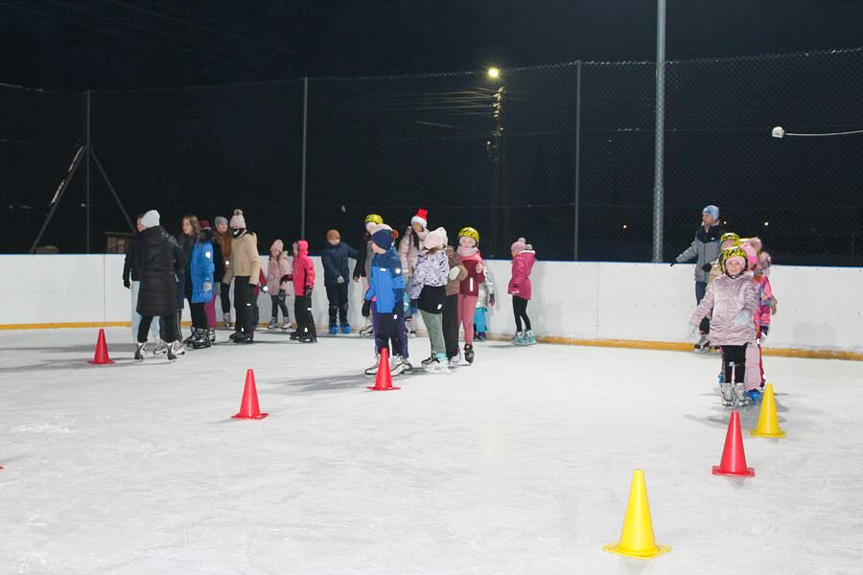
(484, 302)
(520, 287)
(457, 274)
(714, 270)
(428, 293)
(731, 298)
(277, 268)
(363, 265)
(386, 288)
(334, 259)
(468, 240)
(759, 262)
(304, 281)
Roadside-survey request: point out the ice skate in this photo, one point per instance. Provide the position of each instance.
(368, 330)
(702, 345)
(346, 328)
(468, 353)
(202, 341)
(161, 348)
(520, 339)
(530, 339)
(754, 395)
(175, 350)
(274, 323)
(437, 363)
(140, 351)
(397, 366)
(226, 319)
(454, 361)
(428, 360)
(727, 391)
(373, 370)
(192, 337)
(334, 329)
(308, 338)
(740, 395)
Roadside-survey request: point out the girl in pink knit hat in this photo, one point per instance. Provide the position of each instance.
(278, 270)
(523, 258)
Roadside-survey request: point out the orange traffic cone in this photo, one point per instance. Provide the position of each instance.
(733, 459)
(384, 381)
(101, 357)
(249, 408)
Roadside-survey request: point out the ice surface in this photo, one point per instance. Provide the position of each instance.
(519, 464)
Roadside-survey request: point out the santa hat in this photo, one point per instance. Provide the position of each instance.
(150, 219)
(421, 218)
(238, 222)
(435, 239)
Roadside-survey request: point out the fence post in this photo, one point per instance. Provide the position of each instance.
(658, 189)
(87, 193)
(577, 157)
(303, 187)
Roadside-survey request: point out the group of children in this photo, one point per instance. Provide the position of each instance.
(738, 302)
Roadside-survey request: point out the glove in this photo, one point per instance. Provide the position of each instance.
(126, 283)
(707, 267)
(692, 329)
(308, 292)
(265, 289)
(491, 300)
(674, 262)
(743, 318)
(367, 308)
(208, 287)
(479, 268)
(340, 280)
(284, 279)
(282, 295)
(453, 273)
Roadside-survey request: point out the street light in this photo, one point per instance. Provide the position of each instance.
(493, 73)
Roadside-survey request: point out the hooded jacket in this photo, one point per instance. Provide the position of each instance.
(705, 248)
(734, 304)
(276, 269)
(203, 267)
(522, 265)
(386, 282)
(159, 260)
(304, 269)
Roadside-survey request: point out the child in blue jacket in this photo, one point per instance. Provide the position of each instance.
(386, 288)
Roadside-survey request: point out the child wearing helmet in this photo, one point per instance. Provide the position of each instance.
(471, 260)
(727, 240)
(363, 265)
(732, 300)
(754, 377)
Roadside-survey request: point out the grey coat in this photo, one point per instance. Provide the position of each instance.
(705, 247)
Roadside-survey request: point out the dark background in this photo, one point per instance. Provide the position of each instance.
(380, 141)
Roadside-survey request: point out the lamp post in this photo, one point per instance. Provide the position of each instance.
(495, 149)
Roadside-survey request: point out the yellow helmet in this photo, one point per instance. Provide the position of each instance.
(469, 232)
(374, 219)
(731, 252)
(730, 236)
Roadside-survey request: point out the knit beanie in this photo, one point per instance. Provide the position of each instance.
(238, 222)
(278, 245)
(205, 225)
(435, 239)
(383, 237)
(518, 246)
(221, 220)
(421, 218)
(150, 219)
(711, 211)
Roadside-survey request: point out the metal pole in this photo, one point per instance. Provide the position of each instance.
(87, 200)
(305, 128)
(577, 157)
(658, 189)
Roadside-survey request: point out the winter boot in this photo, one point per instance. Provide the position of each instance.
(226, 319)
(530, 338)
(468, 353)
(373, 370)
(140, 351)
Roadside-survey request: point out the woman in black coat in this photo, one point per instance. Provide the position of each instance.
(159, 260)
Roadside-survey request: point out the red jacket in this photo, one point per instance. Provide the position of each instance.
(470, 284)
(522, 264)
(304, 269)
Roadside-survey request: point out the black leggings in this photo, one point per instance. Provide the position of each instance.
(279, 304)
(450, 325)
(519, 309)
(225, 295)
(169, 328)
(735, 354)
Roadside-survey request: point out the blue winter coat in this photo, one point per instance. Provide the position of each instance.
(386, 283)
(335, 262)
(203, 267)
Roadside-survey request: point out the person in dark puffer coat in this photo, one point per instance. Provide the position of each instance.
(159, 260)
(334, 258)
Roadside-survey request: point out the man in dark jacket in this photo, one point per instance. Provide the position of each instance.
(132, 281)
(334, 258)
(159, 261)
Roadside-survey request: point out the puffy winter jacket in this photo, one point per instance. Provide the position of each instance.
(764, 296)
(454, 260)
(224, 241)
(705, 247)
(130, 270)
(431, 270)
(304, 269)
(159, 261)
(522, 265)
(470, 285)
(334, 259)
(386, 282)
(487, 290)
(276, 269)
(733, 303)
(202, 270)
(410, 248)
(245, 260)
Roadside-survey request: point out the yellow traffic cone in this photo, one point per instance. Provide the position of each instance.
(768, 423)
(637, 540)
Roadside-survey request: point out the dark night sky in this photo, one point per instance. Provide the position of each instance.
(99, 44)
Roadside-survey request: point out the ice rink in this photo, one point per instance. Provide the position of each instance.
(520, 463)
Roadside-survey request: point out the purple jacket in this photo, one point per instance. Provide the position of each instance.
(522, 264)
(733, 303)
(431, 270)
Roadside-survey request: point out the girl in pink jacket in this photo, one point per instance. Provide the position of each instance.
(523, 258)
(303, 276)
(278, 270)
(731, 297)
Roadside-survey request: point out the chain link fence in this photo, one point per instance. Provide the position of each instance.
(562, 155)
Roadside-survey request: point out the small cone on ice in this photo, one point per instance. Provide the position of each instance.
(101, 357)
(249, 408)
(636, 539)
(768, 423)
(733, 459)
(384, 381)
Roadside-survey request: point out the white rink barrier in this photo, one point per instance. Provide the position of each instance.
(635, 304)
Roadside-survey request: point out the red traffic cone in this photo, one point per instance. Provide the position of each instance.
(384, 381)
(249, 408)
(101, 357)
(733, 459)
